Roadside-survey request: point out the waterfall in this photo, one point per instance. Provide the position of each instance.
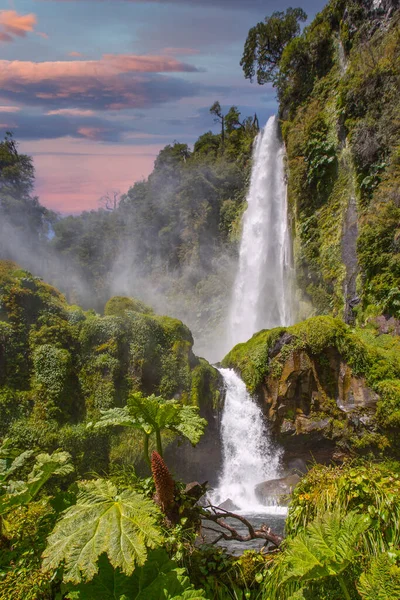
(261, 299)
(262, 296)
(248, 455)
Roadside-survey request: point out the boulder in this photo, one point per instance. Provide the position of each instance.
(274, 489)
(228, 504)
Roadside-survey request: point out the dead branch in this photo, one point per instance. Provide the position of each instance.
(218, 516)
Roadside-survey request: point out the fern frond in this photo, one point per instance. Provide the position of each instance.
(381, 581)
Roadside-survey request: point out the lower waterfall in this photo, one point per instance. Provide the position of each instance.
(249, 457)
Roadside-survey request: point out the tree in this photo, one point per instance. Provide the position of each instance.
(20, 212)
(219, 118)
(266, 41)
(152, 415)
(110, 200)
(232, 119)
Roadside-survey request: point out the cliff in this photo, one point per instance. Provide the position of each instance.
(340, 117)
(326, 389)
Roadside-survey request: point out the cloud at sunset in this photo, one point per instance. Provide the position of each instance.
(112, 82)
(235, 4)
(13, 25)
(73, 112)
(9, 109)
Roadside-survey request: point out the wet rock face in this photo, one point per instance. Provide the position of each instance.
(310, 393)
(387, 324)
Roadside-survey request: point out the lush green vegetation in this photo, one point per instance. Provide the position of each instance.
(169, 239)
(89, 401)
(338, 89)
(327, 343)
(61, 366)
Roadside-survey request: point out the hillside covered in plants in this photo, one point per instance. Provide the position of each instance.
(110, 424)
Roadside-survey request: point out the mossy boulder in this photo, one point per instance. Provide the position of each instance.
(324, 386)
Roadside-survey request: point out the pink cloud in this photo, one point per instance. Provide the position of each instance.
(13, 24)
(74, 54)
(70, 112)
(21, 72)
(72, 175)
(113, 81)
(91, 133)
(9, 109)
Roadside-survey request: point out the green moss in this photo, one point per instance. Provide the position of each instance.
(60, 366)
(340, 125)
(205, 386)
(372, 356)
(118, 305)
(251, 358)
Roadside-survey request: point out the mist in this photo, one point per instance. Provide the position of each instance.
(171, 241)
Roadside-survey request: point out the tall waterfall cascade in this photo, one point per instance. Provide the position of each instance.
(262, 296)
(261, 299)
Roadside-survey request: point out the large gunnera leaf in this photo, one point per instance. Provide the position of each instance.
(123, 526)
(158, 579)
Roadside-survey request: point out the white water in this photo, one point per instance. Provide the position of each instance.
(261, 300)
(248, 456)
(262, 293)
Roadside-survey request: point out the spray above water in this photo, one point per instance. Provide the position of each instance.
(261, 300)
(262, 293)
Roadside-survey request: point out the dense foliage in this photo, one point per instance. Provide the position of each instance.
(338, 86)
(89, 402)
(60, 367)
(168, 240)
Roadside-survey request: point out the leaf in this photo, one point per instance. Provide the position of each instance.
(122, 526)
(158, 579)
(116, 417)
(326, 547)
(381, 581)
(191, 425)
(18, 462)
(17, 493)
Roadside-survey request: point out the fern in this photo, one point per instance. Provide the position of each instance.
(325, 548)
(381, 581)
(123, 526)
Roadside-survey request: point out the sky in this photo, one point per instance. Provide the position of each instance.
(93, 89)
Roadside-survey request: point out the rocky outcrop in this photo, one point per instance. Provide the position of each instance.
(319, 385)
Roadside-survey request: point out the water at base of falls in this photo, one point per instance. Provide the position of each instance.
(249, 457)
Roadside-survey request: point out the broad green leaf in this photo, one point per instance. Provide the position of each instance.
(7, 469)
(122, 525)
(116, 417)
(191, 425)
(158, 579)
(17, 493)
